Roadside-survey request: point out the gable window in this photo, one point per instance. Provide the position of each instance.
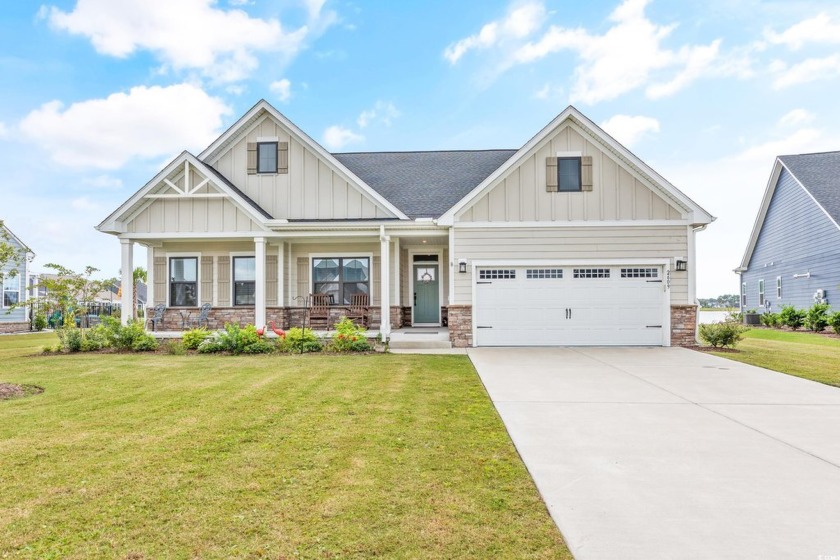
(11, 291)
(761, 292)
(341, 277)
(244, 280)
(743, 295)
(778, 287)
(183, 281)
(568, 174)
(266, 157)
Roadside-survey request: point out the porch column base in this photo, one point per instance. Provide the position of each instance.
(460, 326)
(683, 325)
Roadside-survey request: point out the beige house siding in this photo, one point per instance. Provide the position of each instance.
(191, 215)
(312, 189)
(617, 194)
(571, 243)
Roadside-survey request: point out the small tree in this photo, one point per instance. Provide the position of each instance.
(69, 289)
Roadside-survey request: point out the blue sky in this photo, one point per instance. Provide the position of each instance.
(98, 94)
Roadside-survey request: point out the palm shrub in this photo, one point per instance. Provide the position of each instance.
(727, 333)
(349, 337)
(834, 321)
(791, 317)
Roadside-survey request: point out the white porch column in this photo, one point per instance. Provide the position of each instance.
(127, 268)
(259, 284)
(397, 287)
(281, 291)
(150, 276)
(385, 296)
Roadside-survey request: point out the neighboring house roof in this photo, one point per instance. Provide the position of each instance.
(17, 239)
(424, 184)
(819, 174)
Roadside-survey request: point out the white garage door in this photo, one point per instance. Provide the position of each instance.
(569, 306)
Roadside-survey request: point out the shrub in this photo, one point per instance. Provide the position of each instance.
(300, 341)
(40, 321)
(735, 317)
(194, 337)
(236, 340)
(727, 333)
(174, 348)
(834, 322)
(47, 349)
(791, 317)
(816, 318)
(349, 337)
(71, 339)
(770, 320)
(145, 343)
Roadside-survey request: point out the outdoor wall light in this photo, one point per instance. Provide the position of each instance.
(682, 265)
(462, 266)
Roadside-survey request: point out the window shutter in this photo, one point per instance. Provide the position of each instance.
(586, 173)
(282, 157)
(252, 158)
(223, 274)
(160, 279)
(206, 279)
(271, 280)
(551, 174)
(303, 276)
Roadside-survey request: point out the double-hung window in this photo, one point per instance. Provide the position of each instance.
(11, 290)
(183, 281)
(778, 287)
(761, 293)
(743, 295)
(341, 277)
(266, 157)
(244, 280)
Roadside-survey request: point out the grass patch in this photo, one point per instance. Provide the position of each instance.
(158, 456)
(802, 354)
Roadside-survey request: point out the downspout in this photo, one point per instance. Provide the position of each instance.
(692, 275)
(385, 288)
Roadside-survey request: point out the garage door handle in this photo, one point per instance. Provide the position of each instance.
(484, 282)
(659, 281)
(654, 326)
(483, 327)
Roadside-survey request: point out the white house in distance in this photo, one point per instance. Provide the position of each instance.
(569, 240)
(13, 287)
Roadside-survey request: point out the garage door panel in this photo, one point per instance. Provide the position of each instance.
(524, 309)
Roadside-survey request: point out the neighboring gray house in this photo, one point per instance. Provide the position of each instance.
(13, 289)
(793, 255)
(569, 240)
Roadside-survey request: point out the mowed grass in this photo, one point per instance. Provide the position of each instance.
(802, 354)
(158, 456)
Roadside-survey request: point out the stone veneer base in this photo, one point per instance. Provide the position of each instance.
(683, 325)
(17, 327)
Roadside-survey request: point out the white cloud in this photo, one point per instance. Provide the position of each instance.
(83, 203)
(146, 122)
(818, 29)
(188, 34)
(103, 182)
(630, 129)
(240, 2)
(809, 70)
(282, 88)
(336, 137)
(548, 91)
(3, 130)
(801, 141)
(518, 23)
(383, 112)
(796, 118)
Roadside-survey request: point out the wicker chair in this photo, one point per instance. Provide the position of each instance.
(359, 309)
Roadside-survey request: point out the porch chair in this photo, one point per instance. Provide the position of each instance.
(359, 309)
(319, 311)
(157, 315)
(203, 316)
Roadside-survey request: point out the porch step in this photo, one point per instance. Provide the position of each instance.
(420, 338)
(419, 344)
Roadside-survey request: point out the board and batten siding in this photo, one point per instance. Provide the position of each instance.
(570, 244)
(192, 215)
(796, 238)
(616, 194)
(310, 190)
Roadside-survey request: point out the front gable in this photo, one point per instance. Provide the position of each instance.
(313, 185)
(622, 187)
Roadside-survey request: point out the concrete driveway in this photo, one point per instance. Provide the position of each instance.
(655, 453)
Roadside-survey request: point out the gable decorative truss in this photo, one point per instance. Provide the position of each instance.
(252, 119)
(778, 166)
(209, 183)
(694, 213)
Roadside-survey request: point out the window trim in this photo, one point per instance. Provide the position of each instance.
(342, 255)
(239, 255)
(169, 257)
(743, 295)
(3, 290)
(568, 157)
(761, 298)
(276, 145)
(778, 287)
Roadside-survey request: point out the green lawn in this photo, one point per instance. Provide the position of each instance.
(803, 354)
(158, 456)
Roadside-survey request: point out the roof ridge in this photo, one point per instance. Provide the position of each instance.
(426, 151)
(812, 153)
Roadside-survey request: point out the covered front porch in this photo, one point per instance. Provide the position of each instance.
(403, 273)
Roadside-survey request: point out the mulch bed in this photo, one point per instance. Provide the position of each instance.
(10, 391)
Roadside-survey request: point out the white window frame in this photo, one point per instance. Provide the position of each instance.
(342, 255)
(761, 298)
(276, 158)
(3, 293)
(233, 254)
(169, 257)
(778, 287)
(743, 295)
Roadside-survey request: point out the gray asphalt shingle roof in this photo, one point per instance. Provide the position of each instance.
(820, 175)
(424, 184)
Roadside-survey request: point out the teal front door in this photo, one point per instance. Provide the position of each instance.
(426, 294)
